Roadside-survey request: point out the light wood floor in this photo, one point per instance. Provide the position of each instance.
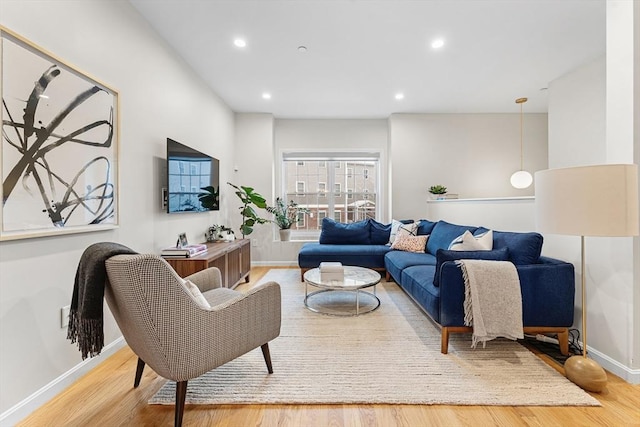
(106, 397)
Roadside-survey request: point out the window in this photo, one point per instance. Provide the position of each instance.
(330, 185)
(300, 220)
(322, 189)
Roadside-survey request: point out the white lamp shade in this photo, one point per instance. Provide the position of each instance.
(597, 200)
(521, 179)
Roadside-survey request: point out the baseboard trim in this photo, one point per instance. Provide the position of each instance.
(24, 408)
(630, 375)
(274, 263)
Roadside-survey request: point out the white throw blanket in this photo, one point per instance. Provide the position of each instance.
(493, 301)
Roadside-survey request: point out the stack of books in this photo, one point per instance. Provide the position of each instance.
(184, 252)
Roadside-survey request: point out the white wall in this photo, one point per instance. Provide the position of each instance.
(160, 97)
(472, 155)
(582, 104)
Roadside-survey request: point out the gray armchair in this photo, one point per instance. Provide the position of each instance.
(169, 330)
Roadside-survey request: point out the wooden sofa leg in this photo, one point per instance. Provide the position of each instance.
(563, 340)
(444, 340)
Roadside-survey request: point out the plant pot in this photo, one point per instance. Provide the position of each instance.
(436, 196)
(285, 234)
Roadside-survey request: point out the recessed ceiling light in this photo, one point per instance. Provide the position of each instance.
(240, 42)
(437, 43)
(266, 95)
(302, 48)
(399, 96)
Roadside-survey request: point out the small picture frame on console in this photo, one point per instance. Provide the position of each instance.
(182, 241)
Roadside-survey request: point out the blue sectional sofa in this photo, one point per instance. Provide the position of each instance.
(434, 281)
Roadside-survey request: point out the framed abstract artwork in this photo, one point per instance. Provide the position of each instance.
(59, 148)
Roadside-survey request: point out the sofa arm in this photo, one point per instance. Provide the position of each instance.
(548, 293)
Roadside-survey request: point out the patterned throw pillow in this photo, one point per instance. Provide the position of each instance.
(401, 229)
(469, 242)
(410, 243)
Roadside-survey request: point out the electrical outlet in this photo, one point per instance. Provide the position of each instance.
(254, 243)
(64, 316)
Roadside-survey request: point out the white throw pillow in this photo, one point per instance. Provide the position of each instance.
(469, 242)
(398, 227)
(194, 291)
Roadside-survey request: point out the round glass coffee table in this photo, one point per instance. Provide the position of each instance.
(342, 297)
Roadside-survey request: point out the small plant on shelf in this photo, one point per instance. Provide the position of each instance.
(437, 189)
(285, 215)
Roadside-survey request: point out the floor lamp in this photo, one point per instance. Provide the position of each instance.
(599, 200)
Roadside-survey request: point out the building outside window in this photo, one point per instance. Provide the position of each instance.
(307, 185)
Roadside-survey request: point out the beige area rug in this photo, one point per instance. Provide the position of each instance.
(391, 355)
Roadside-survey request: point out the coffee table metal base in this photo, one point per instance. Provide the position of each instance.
(371, 302)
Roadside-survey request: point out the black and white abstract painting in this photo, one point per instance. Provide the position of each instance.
(59, 145)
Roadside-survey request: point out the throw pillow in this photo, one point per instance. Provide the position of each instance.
(443, 256)
(194, 291)
(407, 229)
(410, 243)
(469, 242)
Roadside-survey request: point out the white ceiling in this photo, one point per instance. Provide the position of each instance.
(362, 52)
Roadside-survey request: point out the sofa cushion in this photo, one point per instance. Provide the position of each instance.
(410, 243)
(396, 261)
(443, 256)
(469, 242)
(425, 227)
(370, 256)
(418, 282)
(443, 234)
(524, 248)
(378, 232)
(338, 233)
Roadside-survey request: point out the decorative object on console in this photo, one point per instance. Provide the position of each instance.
(599, 200)
(437, 191)
(60, 155)
(184, 251)
(521, 179)
(219, 233)
(285, 215)
(250, 217)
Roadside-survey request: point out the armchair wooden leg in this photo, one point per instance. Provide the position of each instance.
(267, 356)
(139, 370)
(181, 394)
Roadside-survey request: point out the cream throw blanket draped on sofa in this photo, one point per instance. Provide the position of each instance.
(493, 301)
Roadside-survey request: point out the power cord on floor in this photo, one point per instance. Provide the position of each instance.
(574, 342)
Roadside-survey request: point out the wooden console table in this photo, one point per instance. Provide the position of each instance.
(232, 258)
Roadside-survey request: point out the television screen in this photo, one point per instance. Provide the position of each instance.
(188, 171)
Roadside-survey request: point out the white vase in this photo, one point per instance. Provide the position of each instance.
(285, 234)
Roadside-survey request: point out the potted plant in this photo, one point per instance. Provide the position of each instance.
(285, 215)
(249, 198)
(437, 191)
(217, 233)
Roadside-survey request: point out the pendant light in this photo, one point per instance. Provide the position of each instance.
(521, 179)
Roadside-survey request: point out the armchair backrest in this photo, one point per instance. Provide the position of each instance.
(154, 311)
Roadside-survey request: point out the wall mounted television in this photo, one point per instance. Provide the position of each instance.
(188, 171)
